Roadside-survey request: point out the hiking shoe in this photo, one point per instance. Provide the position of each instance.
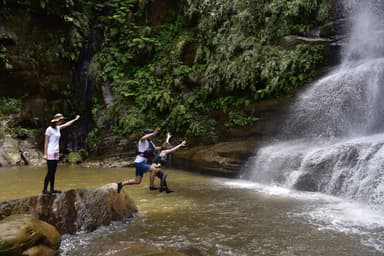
(153, 187)
(119, 187)
(162, 188)
(45, 192)
(55, 191)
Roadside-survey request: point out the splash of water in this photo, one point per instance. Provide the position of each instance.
(333, 135)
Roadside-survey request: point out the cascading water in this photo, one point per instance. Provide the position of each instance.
(334, 133)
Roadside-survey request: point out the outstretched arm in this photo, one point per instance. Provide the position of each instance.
(150, 135)
(182, 144)
(69, 123)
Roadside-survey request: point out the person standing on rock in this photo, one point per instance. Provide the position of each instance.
(144, 156)
(51, 150)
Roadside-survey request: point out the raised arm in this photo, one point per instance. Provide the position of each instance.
(182, 144)
(69, 123)
(169, 135)
(150, 135)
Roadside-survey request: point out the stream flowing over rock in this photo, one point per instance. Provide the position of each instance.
(75, 210)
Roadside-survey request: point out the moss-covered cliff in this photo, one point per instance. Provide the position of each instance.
(41, 44)
(194, 67)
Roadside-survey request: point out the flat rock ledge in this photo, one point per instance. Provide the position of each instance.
(223, 159)
(75, 210)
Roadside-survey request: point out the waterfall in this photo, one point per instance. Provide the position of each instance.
(332, 140)
(83, 91)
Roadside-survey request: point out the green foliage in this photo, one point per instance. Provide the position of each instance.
(71, 45)
(9, 106)
(238, 119)
(142, 66)
(237, 61)
(196, 70)
(74, 158)
(246, 58)
(4, 58)
(93, 140)
(18, 131)
(67, 43)
(83, 153)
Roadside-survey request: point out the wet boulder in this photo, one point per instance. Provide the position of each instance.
(9, 152)
(27, 235)
(75, 210)
(17, 149)
(222, 159)
(74, 158)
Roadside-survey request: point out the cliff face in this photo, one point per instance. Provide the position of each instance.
(200, 69)
(41, 46)
(31, 67)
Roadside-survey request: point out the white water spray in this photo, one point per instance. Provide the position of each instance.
(334, 134)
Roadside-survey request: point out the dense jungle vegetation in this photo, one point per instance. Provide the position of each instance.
(186, 66)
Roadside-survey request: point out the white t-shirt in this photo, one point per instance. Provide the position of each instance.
(142, 146)
(53, 140)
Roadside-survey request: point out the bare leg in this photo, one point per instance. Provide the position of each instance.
(152, 175)
(134, 181)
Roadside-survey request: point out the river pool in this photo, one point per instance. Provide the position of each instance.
(216, 215)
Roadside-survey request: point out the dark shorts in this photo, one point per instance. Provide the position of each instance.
(141, 168)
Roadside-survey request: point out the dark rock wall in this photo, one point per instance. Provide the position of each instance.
(35, 70)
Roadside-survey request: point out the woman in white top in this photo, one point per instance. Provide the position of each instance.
(51, 149)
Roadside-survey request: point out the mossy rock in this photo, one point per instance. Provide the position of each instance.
(24, 233)
(74, 158)
(83, 153)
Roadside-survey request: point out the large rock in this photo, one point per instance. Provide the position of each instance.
(223, 159)
(76, 209)
(27, 235)
(9, 152)
(31, 153)
(19, 152)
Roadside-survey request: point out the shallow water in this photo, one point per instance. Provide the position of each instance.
(217, 216)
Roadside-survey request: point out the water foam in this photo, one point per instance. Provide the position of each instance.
(326, 212)
(332, 140)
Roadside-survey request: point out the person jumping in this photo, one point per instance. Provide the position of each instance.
(145, 151)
